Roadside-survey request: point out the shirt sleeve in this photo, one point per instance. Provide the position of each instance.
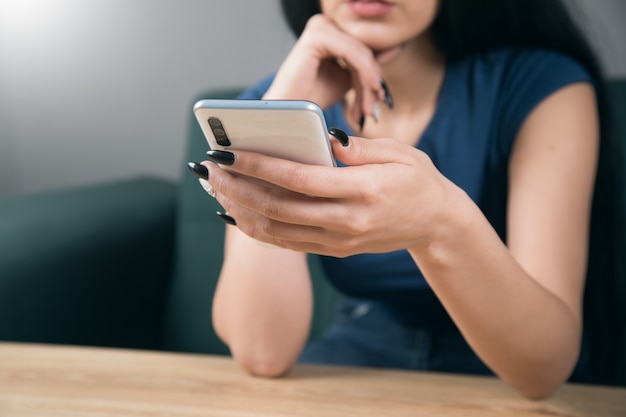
(531, 77)
(257, 91)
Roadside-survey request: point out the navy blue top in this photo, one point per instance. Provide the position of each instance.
(482, 103)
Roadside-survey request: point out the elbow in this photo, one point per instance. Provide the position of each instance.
(542, 382)
(263, 365)
(269, 361)
(539, 391)
(258, 358)
(538, 370)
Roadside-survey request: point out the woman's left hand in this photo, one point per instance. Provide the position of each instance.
(389, 196)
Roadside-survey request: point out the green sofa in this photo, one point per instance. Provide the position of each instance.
(134, 263)
(130, 264)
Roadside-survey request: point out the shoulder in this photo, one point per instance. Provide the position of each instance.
(257, 90)
(333, 115)
(517, 80)
(516, 68)
(514, 78)
(527, 58)
(537, 68)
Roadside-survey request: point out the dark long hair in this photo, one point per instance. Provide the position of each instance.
(464, 27)
(467, 27)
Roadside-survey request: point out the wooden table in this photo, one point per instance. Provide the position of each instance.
(45, 380)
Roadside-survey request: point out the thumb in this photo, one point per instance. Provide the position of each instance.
(354, 150)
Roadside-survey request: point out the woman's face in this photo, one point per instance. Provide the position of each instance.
(382, 24)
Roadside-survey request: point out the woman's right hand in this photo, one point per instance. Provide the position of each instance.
(324, 64)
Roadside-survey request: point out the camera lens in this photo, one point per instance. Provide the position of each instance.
(218, 131)
(223, 140)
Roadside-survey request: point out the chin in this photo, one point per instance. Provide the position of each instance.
(371, 36)
(379, 47)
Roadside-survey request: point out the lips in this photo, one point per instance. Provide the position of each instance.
(370, 8)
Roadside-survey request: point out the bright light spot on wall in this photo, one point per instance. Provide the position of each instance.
(28, 18)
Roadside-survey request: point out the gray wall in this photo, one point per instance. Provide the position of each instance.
(605, 24)
(97, 90)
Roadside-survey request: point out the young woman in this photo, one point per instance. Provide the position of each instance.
(458, 224)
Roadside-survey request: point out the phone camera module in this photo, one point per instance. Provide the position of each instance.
(218, 131)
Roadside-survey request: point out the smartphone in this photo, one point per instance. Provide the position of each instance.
(290, 129)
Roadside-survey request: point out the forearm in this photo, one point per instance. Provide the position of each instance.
(263, 305)
(526, 334)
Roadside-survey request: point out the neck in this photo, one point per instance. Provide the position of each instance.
(415, 75)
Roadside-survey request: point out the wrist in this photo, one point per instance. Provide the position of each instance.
(450, 232)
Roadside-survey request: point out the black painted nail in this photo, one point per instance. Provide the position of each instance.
(388, 98)
(198, 170)
(227, 219)
(340, 135)
(361, 123)
(221, 157)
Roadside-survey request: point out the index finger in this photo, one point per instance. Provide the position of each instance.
(313, 180)
(322, 181)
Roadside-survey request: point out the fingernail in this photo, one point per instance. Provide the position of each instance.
(227, 219)
(361, 123)
(376, 111)
(388, 98)
(207, 187)
(221, 157)
(198, 170)
(340, 135)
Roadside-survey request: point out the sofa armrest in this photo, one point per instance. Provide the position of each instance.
(88, 265)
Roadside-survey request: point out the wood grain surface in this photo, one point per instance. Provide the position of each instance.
(48, 380)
